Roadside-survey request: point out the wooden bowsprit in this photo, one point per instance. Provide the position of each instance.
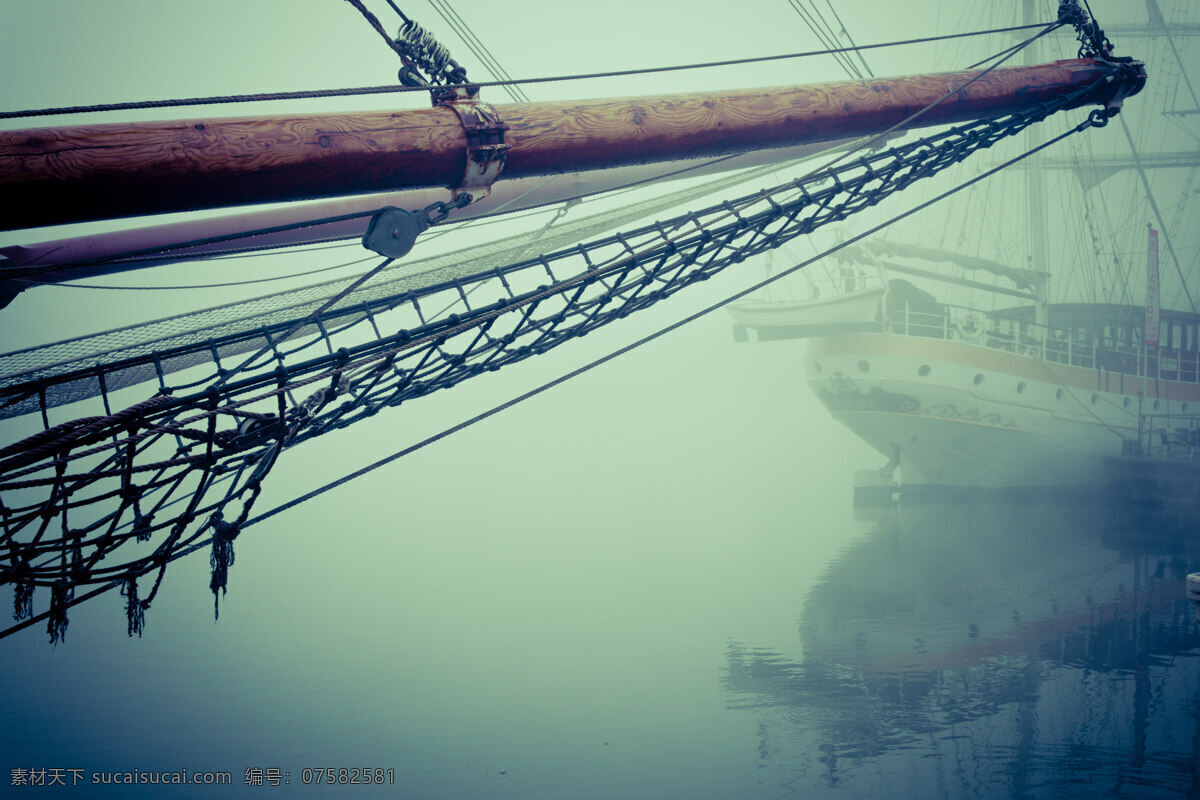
(51, 176)
(189, 463)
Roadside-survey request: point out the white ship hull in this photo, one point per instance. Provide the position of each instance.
(961, 414)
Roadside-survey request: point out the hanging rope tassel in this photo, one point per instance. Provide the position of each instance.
(61, 594)
(141, 523)
(22, 600)
(221, 558)
(135, 609)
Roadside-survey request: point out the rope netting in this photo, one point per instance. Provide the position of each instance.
(83, 367)
(115, 497)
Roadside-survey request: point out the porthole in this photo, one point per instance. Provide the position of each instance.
(1020, 387)
(864, 366)
(1125, 402)
(978, 378)
(1058, 394)
(923, 370)
(817, 367)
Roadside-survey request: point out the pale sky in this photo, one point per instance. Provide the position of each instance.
(576, 568)
(58, 52)
(62, 52)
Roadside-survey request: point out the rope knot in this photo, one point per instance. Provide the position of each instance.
(22, 600)
(221, 557)
(141, 525)
(61, 595)
(135, 609)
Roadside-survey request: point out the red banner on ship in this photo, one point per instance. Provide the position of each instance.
(1152, 297)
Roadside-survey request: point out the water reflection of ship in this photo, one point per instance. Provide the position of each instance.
(980, 646)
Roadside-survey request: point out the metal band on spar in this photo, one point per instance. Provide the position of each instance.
(52, 176)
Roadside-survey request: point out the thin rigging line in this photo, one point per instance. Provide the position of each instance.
(273, 342)
(374, 22)
(863, 142)
(866, 142)
(825, 32)
(21, 272)
(282, 249)
(627, 348)
(478, 48)
(832, 36)
(1003, 56)
(504, 73)
(1157, 214)
(756, 287)
(497, 215)
(397, 89)
(649, 338)
(158, 253)
(399, 13)
(824, 39)
(849, 38)
(563, 378)
(207, 285)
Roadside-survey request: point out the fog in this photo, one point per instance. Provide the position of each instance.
(543, 604)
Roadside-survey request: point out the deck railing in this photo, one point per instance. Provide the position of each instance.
(1056, 345)
(1168, 436)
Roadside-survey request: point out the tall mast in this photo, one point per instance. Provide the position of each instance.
(1035, 190)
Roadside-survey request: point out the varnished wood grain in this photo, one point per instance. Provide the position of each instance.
(548, 137)
(56, 175)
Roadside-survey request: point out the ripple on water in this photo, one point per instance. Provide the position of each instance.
(827, 715)
(1168, 773)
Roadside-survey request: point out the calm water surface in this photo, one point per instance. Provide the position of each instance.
(935, 651)
(674, 615)
(987, 651)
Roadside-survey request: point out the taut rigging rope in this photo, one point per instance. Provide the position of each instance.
(642, 268)
(395, 89)
(136, 612)
(170, 447)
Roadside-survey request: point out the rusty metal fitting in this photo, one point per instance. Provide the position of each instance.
(487, 152)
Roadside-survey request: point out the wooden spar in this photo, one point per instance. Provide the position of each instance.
(507, 195)
(73, 174)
